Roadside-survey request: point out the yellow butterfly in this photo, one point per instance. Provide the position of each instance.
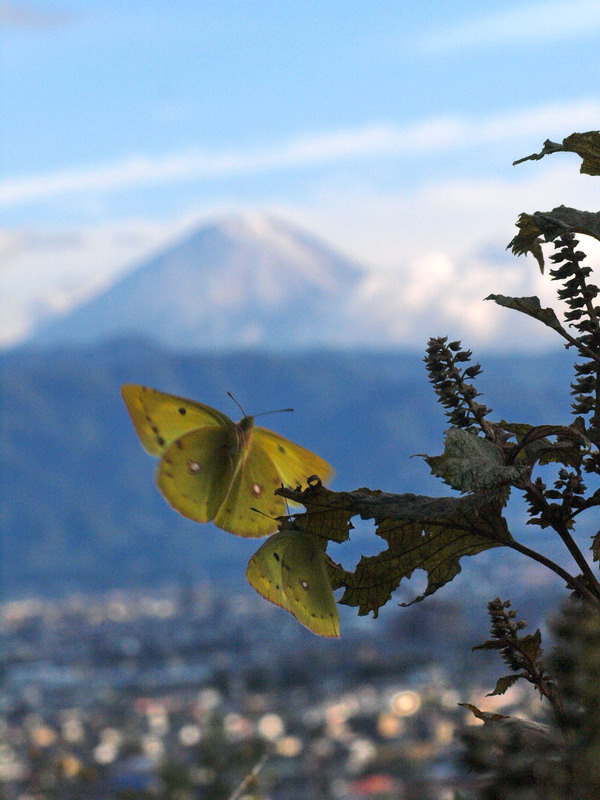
(289, 570)
(212, 468)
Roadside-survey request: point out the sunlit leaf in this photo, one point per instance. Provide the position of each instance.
(546, 226)
(503, 684)
(530, 306)
(486, 716)
(471, 463)
(432, 534)
(586, 145)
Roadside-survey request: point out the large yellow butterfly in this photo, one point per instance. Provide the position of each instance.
(289, 570)
(212, 468)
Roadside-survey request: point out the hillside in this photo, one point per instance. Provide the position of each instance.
(80, 507)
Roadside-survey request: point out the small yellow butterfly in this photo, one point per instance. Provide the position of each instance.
(289, 570)
(214, 469)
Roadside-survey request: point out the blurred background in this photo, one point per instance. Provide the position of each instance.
(284, 201)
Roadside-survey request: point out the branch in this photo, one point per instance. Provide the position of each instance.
(576, 584)
(250, 777)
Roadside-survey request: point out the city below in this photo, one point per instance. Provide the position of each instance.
(184, 692)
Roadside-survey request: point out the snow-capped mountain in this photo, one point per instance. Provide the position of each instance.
(243, 281)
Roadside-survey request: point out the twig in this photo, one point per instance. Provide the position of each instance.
(251, 776)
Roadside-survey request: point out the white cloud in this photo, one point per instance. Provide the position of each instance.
(435, 253)
(442, 250)
(427, 137)
(44, 273)
(455, 217)
(523, 24)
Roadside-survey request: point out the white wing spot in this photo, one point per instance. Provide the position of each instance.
(304, 584)
(193, 467)
(257, 490)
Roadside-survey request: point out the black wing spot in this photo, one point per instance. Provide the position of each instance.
(183, 412)
(281, 448)
(161, 441)
(276, 556)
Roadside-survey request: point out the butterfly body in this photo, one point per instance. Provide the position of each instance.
(214, 469)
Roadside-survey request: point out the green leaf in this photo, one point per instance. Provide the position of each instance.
(519, 429)
(503, 684)
(570, 446)
(546, 226)
(586, 145)
(426, 533)
(486, 716)
(530, 306)
(471, 463)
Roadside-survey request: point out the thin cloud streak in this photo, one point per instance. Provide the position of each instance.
(430, 136)
(538, 23)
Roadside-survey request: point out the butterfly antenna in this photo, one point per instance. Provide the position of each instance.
(237, 404)
(258, 511)
(275, 411)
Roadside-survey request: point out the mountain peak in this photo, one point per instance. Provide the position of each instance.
(238, 281)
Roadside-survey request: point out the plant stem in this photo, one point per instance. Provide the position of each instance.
(562, 530)
(582, 563)
(583, 349)
(574, 583)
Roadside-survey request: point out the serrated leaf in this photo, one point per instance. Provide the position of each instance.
(490, 644)
(531, 645)
(519, 429)
(327, 513)
(429, 533)
(530, 306)
(569, 448)
(586, 145)
(503, 684)
(533, 439)
(528, 240)
(432, 534)
(471, 463)
(546, 226)
(486, 716)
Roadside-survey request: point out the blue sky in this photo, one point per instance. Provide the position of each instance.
(385, 127)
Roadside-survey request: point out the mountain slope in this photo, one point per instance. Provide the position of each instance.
(80, 509)
(242, 282)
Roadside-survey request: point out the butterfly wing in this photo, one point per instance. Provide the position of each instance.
(264, 569)
(294, 464)
(160, 418)
(252, 487)
(289, 570)
(196, 471)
